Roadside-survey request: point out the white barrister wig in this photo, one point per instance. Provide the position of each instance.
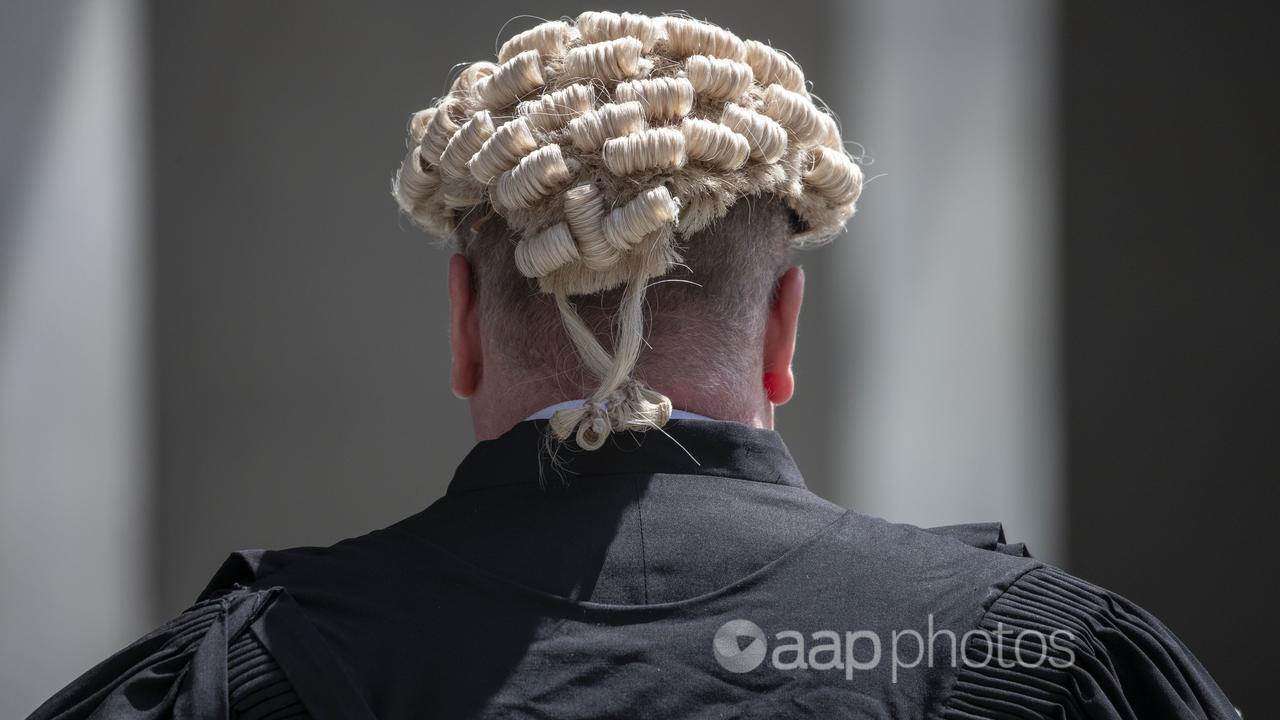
(605, 140)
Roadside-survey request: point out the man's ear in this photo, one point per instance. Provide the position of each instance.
(780, 336)
(464, 330)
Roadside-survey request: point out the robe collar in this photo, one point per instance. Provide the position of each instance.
(529, 454)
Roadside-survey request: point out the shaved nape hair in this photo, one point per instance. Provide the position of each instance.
(704, 319)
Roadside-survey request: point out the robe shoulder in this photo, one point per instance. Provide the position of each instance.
(1055, 646)
(1048, 645)
(204, 663)
(246, 649)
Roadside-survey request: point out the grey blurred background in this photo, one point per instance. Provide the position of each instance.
(1057, 306)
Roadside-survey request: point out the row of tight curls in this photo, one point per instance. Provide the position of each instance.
(598, 140)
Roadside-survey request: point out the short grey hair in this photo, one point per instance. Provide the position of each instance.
(704, 317)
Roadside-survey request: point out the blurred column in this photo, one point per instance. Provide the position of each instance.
(72, 461)
(950, 289)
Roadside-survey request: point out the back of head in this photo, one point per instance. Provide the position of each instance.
(619, 162)
(704, 318)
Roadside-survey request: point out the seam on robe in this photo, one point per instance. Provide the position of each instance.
(644, 559)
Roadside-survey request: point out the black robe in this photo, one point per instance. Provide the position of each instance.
(688, 574)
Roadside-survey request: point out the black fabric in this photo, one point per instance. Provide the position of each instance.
(203, 664)
(1124, 662)
(256, 686)
(609, 527)
(592, 585)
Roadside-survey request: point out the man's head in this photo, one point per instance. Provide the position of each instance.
(625, 192)
(717, 325)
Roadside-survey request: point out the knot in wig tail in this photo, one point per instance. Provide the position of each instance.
(633, 406)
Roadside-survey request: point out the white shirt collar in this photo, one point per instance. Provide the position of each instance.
(546, 412)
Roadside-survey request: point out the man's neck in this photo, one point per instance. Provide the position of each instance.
(546, 412)
(494, 413)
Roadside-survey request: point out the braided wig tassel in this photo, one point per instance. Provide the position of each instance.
(557, 136)
(620, 403)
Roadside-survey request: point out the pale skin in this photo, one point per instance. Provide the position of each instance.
(500, 396)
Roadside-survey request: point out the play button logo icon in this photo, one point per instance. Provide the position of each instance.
(739, 646)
